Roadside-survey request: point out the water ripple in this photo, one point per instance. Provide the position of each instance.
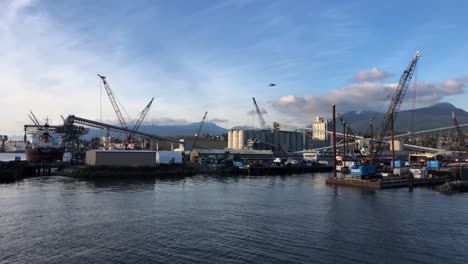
(217, 219)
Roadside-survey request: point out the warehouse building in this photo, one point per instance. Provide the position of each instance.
(121, 158)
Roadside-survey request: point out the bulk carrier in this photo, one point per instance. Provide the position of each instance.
(46, 146)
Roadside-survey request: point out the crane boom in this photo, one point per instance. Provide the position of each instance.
(198, 131)
(34, 121)
(34, 117)
(201, 124)
(395, 104)
(259, 114)
(114, 102)
(460, 134)
(141, 117)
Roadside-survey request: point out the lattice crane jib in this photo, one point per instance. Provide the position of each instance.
(197, 135)
(460, 134)
(259, 114)
(111, 95)
(140, 118)
(395, 103)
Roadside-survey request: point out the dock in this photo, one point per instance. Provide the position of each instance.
(17, 170)
(278, 170)
(389, 182)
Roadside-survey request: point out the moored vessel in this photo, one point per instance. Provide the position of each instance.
(46, 146)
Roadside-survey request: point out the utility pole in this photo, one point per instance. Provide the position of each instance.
(393, 141)
(345, 146)
(371, 138)
(334, 141)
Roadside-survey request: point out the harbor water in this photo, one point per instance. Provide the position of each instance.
(224, 219)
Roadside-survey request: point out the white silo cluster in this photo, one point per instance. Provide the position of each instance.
(289, 140)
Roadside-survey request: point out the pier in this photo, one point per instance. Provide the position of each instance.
(276, 170)
(17, 170)
(389, 182)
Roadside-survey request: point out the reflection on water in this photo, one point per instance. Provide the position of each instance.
(218, 219)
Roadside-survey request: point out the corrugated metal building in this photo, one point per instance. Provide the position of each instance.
(136, 158)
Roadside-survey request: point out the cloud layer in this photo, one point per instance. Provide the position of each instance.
(374, 74)
(372, 96)
(263, 111)
(193, 58)
(51, 69)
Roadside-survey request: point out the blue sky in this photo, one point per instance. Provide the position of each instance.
(197, 56)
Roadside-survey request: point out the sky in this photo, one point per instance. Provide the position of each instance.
(196, 56)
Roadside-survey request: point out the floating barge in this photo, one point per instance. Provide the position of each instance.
(388, 182)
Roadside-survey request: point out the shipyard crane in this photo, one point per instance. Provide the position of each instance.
(460, 135)
(71, 119)
(197, 135)
(33, 118)
(259, 114)
(140, 118)
(114, 103)
(394, 106)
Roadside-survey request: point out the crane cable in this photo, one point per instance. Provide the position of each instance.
(415, 85)
(378, 112)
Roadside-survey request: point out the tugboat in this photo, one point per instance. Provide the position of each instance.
(46, 146)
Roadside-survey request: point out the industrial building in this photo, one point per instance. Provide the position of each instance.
(121, 158)
(320, 138)
(14, 146)
(266, 139)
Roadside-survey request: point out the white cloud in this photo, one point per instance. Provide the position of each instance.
(51, 69)
(453, 86)
(373, 74)
(372, 96)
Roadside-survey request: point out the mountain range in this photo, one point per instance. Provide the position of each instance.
(168, 130)
(438, 115)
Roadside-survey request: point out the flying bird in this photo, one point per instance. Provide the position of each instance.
(272, 84)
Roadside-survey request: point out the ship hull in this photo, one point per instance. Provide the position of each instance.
(44, 154)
